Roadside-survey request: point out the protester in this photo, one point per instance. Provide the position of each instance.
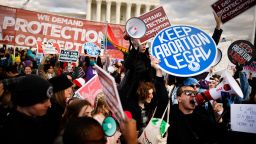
(84, 130)
(47, 68)
(138, 69)
(24, 124)
(27, 70)
(75, 108)
(149, 96)
(62, 91)
(62, 88)
(100, 112)
(193, 126)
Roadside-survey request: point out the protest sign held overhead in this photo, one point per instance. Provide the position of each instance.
(251, 67)
(228, 9)
(155, 21)
(184, 50)
(91, 49)
(243, 117)
(241, 52)
(48, 47)
(68, 56)
(109, 88)
(90, 90)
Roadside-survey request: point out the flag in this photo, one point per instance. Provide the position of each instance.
(112, 42)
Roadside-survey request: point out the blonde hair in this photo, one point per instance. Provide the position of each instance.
(101, 106)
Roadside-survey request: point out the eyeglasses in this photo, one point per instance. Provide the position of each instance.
(190, 93)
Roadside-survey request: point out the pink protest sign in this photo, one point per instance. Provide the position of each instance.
(90, 90)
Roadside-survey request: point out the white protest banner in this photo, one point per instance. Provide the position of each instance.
(110, 90)
(68, 55)
(48, 47)
(90, 90)
(243, 118)
(155, 21)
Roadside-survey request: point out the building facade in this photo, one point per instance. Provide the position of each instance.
(118, 11)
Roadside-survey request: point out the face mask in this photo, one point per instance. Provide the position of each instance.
(92, 63)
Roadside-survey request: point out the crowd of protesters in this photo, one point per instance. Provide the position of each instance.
(37, 102)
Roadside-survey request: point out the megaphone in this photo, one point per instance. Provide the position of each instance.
(219, 57)
(135, 27)
(228, 85)
(109, 126)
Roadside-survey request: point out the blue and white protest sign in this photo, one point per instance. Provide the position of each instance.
(184, 50)
(91, 49)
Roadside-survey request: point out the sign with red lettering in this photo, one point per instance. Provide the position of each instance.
(241, 52)
(25, 28)
(155, 21)
(228, 9)
(90, 90)
(47, 47)
(251, 67)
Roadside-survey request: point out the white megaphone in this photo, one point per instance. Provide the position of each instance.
(218, 58)
(228, 85)
(135, 27)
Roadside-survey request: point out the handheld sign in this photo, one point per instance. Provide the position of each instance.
(251, 68)
(155, 21)
(184, 51)
(68, 55)
(228, 9)
(91, 49)
(90, 90)
(109, 88)
(241, 52)
(48, 47)
(243, 117)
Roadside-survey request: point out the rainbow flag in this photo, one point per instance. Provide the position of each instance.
(112, 42)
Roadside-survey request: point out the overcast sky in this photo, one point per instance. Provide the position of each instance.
(193, 12)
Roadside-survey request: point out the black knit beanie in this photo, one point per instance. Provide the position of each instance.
(60, 83)
(31, 90)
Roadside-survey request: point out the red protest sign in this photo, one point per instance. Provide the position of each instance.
(241, 52)
(25, 28)
(155, 21)
(228, 9)
(90, 90)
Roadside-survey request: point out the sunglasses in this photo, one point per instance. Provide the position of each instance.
(197, 86)
(190, 93)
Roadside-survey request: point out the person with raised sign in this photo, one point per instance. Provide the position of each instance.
(47, 68)
(138, 69)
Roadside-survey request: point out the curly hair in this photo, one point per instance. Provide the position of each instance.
(143, 90)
